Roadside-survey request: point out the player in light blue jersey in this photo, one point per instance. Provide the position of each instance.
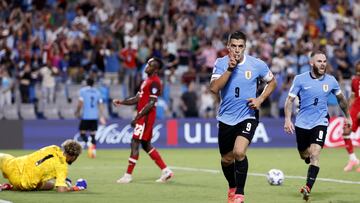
(235, 78)
(91, 104)
(313, 89)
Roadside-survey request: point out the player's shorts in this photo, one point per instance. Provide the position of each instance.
(88, 125)
(354, 111)
(306, 137)
(143, 130)
(227, 133)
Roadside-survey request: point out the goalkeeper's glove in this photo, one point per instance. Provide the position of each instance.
(80, 185)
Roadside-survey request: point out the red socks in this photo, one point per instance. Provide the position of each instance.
(348, 145)
(154, 154)
(132, 163)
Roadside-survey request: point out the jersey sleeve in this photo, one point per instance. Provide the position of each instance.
(336, 87)
(295, 87)
(219, 69)
(61, 174)
(155, 89)
(265, 73)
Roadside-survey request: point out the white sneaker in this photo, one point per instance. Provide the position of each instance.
(166, 174)
(127, 178)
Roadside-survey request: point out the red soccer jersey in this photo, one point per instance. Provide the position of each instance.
(151, 87)
(355, 87)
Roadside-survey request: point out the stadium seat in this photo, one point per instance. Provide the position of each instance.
(116, 92)
(67, 111)
(51, 111)
(73, 91)
(27, 111)
(106, 111)
(126, 112)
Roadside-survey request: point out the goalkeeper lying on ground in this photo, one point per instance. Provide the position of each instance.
(42, 170)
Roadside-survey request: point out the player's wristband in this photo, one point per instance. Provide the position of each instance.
(230, 69)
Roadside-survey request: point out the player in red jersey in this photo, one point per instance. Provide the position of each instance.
(355, 117)
(144, 120)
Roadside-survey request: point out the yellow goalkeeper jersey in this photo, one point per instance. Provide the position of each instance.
(30, 171)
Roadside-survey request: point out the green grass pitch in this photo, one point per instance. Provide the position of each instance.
(198, 178)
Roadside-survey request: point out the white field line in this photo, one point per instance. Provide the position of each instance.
(202, 170)
(264, 175)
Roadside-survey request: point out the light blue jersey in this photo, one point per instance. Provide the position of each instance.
(91, 98)
(241, 86)
(313, 95)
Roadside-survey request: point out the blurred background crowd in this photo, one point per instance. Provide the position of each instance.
(49, 47)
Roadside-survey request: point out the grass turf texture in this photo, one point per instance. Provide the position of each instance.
(197, 186)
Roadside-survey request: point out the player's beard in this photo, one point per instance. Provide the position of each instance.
(317, 70)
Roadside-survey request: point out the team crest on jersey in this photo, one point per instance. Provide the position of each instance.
(326, 88)
(248, 75)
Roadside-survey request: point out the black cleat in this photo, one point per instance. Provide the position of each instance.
(307, 160)
(305, 191)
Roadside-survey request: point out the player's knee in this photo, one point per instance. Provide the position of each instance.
(226, 161)
(239, 154)
(47, 185)
(146, 146)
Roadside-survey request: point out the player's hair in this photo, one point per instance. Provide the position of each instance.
(71, 147)
(158, 63)
(237, 35)
(316, 52)
(90, 82)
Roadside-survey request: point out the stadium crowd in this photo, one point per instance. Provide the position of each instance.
(49, 46)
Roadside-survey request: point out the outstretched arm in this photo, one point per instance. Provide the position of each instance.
(289, 126)
(128, 101)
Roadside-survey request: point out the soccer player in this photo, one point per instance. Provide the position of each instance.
(354, 104)
(91, 104)
(144, 120)
(313, 89)
(42, 170)
(235, 78)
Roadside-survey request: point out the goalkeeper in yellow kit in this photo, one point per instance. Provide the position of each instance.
(44, 169)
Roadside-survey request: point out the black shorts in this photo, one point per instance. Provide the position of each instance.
(306, 137)
(88, 125)
(227, 133)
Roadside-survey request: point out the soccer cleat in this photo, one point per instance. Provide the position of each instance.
(231, 195)
(166, 174)
(305, 191)
(238, 198)
(6, 186)
(307, 160)
(349, 166)
(92, 151)
(127, 178)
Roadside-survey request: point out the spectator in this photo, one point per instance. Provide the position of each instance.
(189, 102)
(6, 86)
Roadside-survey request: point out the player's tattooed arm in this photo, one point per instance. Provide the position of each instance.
(344, 107)
(144, 111)
(289, 126)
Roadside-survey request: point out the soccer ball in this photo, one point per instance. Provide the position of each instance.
(275, 177)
